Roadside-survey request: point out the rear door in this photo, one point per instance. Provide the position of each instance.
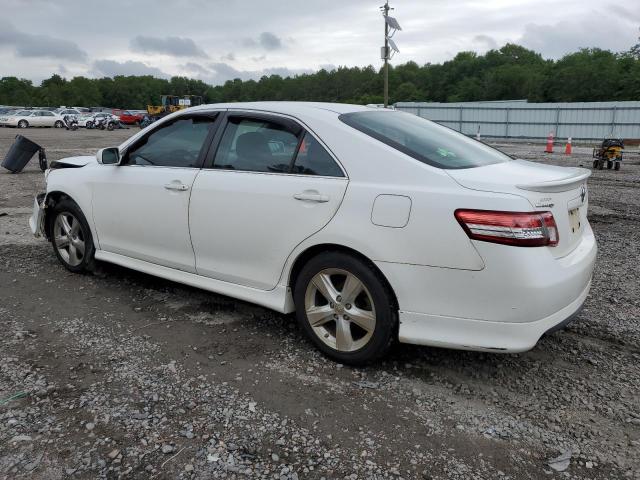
(47, 119)
(269, 185)
(36, 119)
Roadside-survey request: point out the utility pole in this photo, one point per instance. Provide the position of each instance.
(386, 54)
(391, 26)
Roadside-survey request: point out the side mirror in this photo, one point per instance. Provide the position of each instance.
(108, 156)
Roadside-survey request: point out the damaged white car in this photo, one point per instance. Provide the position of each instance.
(372, 225)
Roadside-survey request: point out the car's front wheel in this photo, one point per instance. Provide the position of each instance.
(58, 124)
(345, 307)
(23, 124)
(71, 237)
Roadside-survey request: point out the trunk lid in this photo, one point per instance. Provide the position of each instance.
(560, 190)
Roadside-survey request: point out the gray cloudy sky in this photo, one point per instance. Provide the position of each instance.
(218, 40)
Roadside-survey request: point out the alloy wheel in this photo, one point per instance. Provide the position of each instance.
(69, 239)
(340, 310)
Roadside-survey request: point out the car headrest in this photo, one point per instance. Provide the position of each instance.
(252, 144)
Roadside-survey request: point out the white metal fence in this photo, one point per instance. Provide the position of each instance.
(519, 119)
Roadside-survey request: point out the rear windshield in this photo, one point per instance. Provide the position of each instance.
(424, 140)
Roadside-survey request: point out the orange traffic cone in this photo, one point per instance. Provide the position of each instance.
(567, 149)
(549, 148)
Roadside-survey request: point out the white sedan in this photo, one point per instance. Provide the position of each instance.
(372, 225)
(32, 118)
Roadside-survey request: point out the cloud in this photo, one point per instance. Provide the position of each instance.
(270, 41)
(195, 68)
(174, 46)
(485, 42)
(554, 41)
(111, 68)
(221, 72)
(29, 45)
(231, 57)
(267, 40)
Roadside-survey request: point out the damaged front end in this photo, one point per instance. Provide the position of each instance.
(36, 221)
(44, 200)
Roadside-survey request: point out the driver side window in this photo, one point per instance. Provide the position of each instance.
(177, 144)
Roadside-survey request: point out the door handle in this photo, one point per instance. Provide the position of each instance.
(311, 197)
(177, 186)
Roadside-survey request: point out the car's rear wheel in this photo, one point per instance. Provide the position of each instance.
(345, 307)
(58, 124)
(89, 125)
(71, 237)
(23, 124)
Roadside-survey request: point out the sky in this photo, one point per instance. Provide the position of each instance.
(216, 40)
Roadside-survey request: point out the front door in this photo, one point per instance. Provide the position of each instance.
(271, 185)
(141, 206)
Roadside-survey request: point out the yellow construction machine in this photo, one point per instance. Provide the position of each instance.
(173, 103)
(609, 152)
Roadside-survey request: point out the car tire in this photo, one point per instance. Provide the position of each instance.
(23, 124)
(71, 237)
(609, 164)
(58, 124)
(358, 323)
(617, 166)
(89, 125)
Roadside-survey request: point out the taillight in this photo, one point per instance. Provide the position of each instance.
(533, 229)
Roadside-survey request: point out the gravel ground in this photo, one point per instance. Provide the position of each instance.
(122, 375)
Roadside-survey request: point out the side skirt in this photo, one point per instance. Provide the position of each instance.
(278, 299)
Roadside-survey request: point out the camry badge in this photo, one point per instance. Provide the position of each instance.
(583, 193)
(544, 203)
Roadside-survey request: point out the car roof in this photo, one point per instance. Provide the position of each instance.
(291, 108)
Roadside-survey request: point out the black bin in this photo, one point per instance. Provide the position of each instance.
(19, 154)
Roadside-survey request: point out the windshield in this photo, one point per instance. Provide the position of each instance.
(424, 140)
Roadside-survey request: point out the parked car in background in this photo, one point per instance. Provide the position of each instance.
(96, 118)
(32, 118)
(68, 111)
(128, 117)
(85, 118)
(9, 110)
(371, 224)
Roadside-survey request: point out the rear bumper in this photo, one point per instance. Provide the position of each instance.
(521, 294)
(469, 334)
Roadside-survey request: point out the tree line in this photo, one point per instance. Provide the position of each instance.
(511, 72)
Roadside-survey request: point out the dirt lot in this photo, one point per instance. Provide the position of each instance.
(122, 375)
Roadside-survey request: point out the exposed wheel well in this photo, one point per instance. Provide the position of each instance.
(311, 252)
(52, 199)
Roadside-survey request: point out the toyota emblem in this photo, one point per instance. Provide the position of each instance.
(583, 193)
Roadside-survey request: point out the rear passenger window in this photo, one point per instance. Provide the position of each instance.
(256, 145)
(313, 159)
